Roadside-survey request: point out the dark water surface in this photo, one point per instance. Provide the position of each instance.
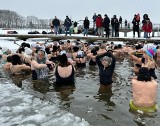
(87, 100)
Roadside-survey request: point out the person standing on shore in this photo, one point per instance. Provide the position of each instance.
(94, 21)
(99, 25)
(147, 26)
(106, 23)
(67, 24)
(86, 24)
(135, 23)
(56, 24)
(125, 23)
(75, 29)
(115, 26)
(120, 21)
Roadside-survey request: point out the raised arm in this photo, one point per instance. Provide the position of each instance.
(98, 61)
(36, 65)
(113, 60)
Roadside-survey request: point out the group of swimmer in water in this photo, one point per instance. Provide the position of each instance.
(64, 57)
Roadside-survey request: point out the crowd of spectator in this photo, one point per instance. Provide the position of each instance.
(102, 27)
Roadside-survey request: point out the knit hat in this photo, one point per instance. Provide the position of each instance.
(63, 52)
(33, 45)
(151, 52)
(80, 54)
(28, 51)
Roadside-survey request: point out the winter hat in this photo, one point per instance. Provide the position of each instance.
(27, 51)
(80, 54)
(34, 45)
(151, 52)
(46, 45)
(63, 52)
(41, 47)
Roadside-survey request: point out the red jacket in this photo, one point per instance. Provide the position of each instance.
(99, 22)
(147, 27)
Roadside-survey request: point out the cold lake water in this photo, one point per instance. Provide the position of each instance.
(28, 103)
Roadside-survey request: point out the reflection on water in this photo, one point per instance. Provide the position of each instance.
(65, 93)
(17, 79)
(105, 94)
(41, 86)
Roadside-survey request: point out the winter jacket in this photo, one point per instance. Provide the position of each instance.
(147, 25)
(86, 23)
(67, 22)
(135, 23)
(106, 22)
(99, 22)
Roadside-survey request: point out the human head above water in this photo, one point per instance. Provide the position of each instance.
(151, 52)
(144, 74)
(106, 61)
(16, 60)
(41, 54)
(63, 60)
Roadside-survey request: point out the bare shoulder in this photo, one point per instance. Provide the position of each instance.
(154, 82)
(134, 79)
(33, 62)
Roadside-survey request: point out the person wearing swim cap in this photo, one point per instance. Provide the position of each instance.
(149, 61)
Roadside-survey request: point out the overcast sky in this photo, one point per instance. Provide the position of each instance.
(78, 9)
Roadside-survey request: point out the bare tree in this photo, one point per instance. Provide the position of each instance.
(10, 19)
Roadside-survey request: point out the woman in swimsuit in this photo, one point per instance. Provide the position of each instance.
(39, 66)
(137, 57)
(64, 71)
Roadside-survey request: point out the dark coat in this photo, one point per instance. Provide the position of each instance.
(120, 20)
(86, 23)
(115, 24)
(56, 22)
(135, 24)
(75, 24)
(106, 22)
(94, 18)
(67, 22)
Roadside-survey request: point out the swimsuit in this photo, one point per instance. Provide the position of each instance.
(64, 81)
(144, 109)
